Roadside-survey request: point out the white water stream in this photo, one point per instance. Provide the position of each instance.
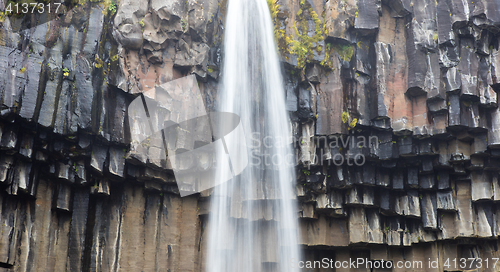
(253, 223)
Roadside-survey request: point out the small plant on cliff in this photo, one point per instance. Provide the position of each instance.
(345, 117)
(353, 123)
(98, 62)
(112, 8)
(65, 72)
(184, 24)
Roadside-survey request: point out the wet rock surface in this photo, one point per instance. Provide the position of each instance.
(417, 80)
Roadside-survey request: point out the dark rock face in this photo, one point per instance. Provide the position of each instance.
(408, 86)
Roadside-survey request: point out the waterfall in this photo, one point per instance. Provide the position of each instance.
(253, 224)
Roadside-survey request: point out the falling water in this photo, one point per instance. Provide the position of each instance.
(253, 218)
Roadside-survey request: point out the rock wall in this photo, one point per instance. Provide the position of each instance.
(419, 76)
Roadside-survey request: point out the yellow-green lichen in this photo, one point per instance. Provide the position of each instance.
(327, 61)
(361, 45)
(353, 123)
(345, 117)
(305, 46)
(282, 40)
(98, 62)
(65, 72)
(305, 43)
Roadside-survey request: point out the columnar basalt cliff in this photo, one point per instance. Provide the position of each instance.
(419, 76)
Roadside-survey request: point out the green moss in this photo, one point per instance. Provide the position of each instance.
(305, 46)
(209, 69)
(112, 8)
(141, 22)
(345, 51)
